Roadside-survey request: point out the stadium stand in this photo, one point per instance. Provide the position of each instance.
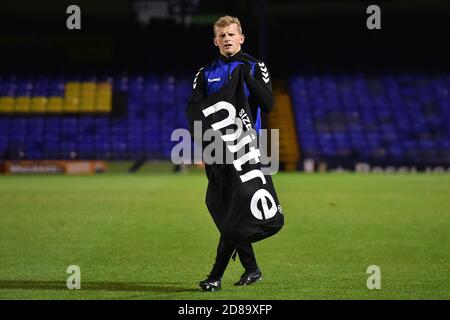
(62, 118)
(378, 119)
(387, 119)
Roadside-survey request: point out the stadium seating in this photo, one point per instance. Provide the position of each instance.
(380, 119)
(72, 117)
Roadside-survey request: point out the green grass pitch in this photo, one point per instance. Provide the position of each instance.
(150, 236)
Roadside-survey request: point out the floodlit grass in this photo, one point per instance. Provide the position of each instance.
(150, 236)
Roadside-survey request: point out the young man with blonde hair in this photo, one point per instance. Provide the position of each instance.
(228, 37)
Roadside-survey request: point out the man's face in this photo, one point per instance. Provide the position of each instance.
(229, 40)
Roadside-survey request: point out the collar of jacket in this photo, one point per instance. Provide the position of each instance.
(232, 58)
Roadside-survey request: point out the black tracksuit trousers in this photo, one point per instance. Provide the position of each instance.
(217, 200)
(225, 250)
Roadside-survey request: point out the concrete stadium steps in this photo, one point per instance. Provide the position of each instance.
(282, 118)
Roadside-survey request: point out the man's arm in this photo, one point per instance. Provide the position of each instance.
(260, 86)
(197, 96)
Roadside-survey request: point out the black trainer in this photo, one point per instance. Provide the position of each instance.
(210, 285)
(248, 278)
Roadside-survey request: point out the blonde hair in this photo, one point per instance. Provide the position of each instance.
(225, 21)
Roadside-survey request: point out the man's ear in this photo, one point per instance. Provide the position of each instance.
(215, 42)
(241, 41)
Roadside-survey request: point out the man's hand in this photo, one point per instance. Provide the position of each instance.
(247, 68)
(259, 86)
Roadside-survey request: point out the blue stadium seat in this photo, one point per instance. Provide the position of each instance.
(379, 116)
